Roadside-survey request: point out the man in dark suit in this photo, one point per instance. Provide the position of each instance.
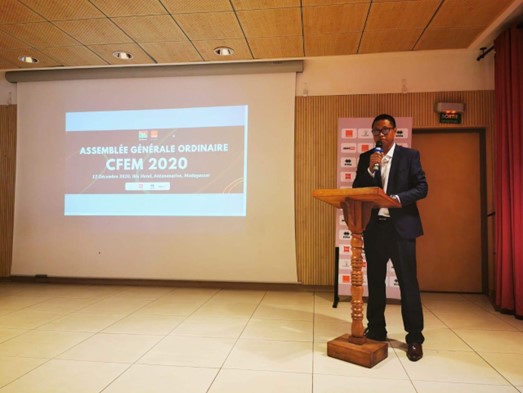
(391, 233)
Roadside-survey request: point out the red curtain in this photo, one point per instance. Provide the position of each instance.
(509, 171)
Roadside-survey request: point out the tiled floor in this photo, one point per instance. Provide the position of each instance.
(75, 339)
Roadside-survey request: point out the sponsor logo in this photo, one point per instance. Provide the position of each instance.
(345, 234)
(348, 162)
(347, 176)
(365, 133)
(347, 133)
(402, 133)
(345, 263)
(143, 135)
(345, 278)
(348, 148)
(154, 134)
(363, 147)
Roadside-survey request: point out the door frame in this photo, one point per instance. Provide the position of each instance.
(481, 131)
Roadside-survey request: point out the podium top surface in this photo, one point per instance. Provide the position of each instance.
(337, 196)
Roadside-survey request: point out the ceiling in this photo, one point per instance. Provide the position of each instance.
(78, 33)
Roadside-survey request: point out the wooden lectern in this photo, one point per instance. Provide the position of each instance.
(357, 204)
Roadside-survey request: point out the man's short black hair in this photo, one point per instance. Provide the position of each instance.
(384, 116)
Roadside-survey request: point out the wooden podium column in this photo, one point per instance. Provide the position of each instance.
(356, 204)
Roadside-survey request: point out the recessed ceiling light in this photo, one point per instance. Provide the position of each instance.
(28, 59)
(223, 51)
(120, 54)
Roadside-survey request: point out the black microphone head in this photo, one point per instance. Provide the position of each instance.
(379, 143)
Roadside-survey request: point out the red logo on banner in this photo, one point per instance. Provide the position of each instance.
(346, 249)
(345, 278)
(365, 147)
(348, 133)
(348, 176)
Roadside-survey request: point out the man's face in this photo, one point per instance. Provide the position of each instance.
(386, 140)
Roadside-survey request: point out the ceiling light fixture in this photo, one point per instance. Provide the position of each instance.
(28, 59)
(224, 51)
(122, 55)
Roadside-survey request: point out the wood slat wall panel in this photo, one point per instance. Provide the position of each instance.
(7, 180)
(316, 159)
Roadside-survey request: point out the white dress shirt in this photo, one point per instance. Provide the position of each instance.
(385, 165)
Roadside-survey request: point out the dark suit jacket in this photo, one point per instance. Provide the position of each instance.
(407, 181)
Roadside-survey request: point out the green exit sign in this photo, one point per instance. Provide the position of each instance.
(450, 118)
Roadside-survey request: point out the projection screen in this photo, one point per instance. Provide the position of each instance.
(175, 178)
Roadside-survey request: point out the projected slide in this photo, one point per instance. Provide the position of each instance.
(162, 162)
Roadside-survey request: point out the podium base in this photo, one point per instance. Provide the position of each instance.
(368, 354)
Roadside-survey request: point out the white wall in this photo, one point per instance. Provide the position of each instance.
(445, 70)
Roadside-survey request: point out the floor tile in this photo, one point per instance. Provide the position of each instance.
(12, 368)
(90, 338)
(493, 341)
(266, 329)
(27, 319)
(238, 381)
(169, 305)
(16, 303)
(7, 334)
(451, 366)
(163, 379)
(82, 322)
(116, 348)
(435, 338)
(328, 329)
(143, 293)
(272, 311)
(511, 320)
(344, 384)
(145, 324)
(510, 365)
(286, 356)
(438, 387)
(211, 327)
(41, 344)
(61, 304)
(233, 309)
(189, 351)
(116, 306)
(62, 376)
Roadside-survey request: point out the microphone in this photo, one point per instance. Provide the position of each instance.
(377, 149)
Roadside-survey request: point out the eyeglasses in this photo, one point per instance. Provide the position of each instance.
(384, 131)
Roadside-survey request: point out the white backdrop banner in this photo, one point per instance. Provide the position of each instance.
(354, 138)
